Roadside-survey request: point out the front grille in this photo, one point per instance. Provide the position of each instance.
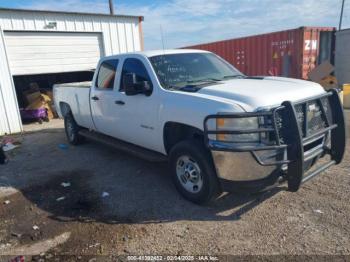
(281, 126)
(315, 118)
(309, 116)
(299, 109)
(327, 109)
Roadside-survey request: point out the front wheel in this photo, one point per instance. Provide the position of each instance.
(72, 130)
(193, 172)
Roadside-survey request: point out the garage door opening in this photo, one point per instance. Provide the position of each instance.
(34, 93)
(38, 60)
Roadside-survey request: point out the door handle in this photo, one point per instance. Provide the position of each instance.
(95, 98)
(119, 102)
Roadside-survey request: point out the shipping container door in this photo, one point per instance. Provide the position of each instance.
(52, 52)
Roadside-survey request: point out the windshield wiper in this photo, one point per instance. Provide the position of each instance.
(174, 88)
(234, 76)
(204, 80)
(190, 88)
(194, 84)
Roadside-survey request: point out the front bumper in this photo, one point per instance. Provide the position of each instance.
(294, 152)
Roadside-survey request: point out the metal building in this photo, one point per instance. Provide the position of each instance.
(47, 44)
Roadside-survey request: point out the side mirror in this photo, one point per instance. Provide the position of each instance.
(146, 87)
(129, 84)
(132, 87)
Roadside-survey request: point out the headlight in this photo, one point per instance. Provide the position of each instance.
(234, 124)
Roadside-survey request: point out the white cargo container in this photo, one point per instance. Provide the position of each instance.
(47, 46)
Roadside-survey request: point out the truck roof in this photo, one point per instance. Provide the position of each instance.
(151, 53)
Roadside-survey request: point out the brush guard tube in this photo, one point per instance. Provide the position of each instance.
(295, 138)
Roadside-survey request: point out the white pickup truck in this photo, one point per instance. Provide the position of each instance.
(219, 129)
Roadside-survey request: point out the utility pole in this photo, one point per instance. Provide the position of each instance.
(111, 7)
(341, 14)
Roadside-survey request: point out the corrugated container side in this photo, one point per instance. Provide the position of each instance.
(290, 53)
(310, 50)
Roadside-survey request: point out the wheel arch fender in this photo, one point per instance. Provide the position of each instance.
(65, 108)
(175, 132)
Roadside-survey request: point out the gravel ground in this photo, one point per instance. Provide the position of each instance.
(142, 214)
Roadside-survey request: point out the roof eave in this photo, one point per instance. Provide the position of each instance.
(141, 18)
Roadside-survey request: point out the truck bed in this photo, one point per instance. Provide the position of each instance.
(85, 84)
(77, 96)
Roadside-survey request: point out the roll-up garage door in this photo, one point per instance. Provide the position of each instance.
(52, 52)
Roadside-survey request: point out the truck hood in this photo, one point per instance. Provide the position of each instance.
(255, 93)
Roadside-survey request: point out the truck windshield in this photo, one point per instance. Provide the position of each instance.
(176, 71)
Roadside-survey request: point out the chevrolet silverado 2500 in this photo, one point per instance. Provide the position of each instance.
(219, 129)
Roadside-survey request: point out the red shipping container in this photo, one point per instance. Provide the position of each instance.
(290, 53)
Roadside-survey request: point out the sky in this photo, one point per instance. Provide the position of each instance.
(188, 22)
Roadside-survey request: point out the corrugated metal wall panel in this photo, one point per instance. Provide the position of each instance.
(129, 37)
(10, 121)
(121, 34)
(342, 56)
(4, 125)
(114, 37)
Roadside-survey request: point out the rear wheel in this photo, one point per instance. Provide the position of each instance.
(72, 130)
(193, 172)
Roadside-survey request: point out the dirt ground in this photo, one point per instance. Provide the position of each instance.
(117, 204)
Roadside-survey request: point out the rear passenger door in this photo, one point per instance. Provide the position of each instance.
(102, 98)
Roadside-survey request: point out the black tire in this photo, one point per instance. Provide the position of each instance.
(198, 153)
(72, 130)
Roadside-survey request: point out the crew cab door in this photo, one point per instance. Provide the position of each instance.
(138, 115)
(103, 96)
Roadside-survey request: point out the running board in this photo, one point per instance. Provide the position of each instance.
(131, 149)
